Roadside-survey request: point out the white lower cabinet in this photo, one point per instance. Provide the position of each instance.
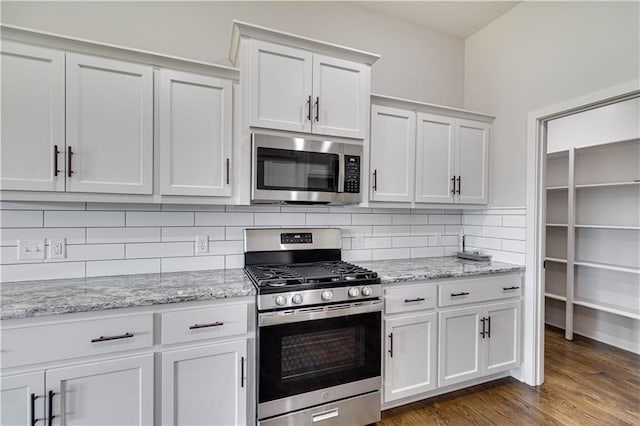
(22, 399)
(410, 355)
(477, 341)
(205, 385)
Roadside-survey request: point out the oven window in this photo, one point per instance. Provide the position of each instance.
(282, 169)
(305, 356)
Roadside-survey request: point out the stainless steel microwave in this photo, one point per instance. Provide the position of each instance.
(299, 170)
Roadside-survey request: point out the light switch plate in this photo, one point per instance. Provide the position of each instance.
(58, 248)
(30, 250)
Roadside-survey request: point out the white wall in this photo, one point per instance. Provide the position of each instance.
(417, 63)
(539, 54)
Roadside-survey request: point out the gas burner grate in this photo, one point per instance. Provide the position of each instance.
(269, 275)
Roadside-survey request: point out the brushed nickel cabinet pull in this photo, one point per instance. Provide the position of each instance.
(212, 324)
(107, 338)
(417, 299)
(56, 152)
(69, 155)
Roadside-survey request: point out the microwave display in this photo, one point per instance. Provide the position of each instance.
(282, 169)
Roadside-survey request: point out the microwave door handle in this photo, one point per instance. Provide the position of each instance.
(341, 172)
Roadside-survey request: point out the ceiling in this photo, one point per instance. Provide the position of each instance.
(458, 18)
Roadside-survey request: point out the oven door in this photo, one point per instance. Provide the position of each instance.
(318, 355)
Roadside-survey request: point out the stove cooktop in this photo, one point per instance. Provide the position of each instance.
(275, 278)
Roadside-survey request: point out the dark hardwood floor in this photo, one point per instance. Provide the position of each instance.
(586, 383)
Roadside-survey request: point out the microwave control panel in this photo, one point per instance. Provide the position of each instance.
(352, 174)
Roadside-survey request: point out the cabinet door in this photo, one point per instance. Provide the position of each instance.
(280, 87)
(502, 345)
(435, 159)
(115, 392)
(109, 125)
(472, 161)
(393, 136)
(459, 346)
(32, 118)
(16, 395)
(410, 356)
(195, 134)
(205, 385)
(341, 97)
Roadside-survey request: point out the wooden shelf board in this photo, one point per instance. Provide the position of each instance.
(612, 309)
(602, 185)
(622, 227)
(555, 297)
(555, 259)
(559, 225)
(608, 267)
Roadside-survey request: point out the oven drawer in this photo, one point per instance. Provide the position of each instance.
(206, 323)
(478, 290)
(410, 298)
(65, 340)
(360, 410)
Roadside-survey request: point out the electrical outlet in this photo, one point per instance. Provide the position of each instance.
(202, 244)
(358, 241)
(30, 249)
(58, 248)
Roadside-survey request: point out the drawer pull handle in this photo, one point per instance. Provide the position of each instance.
(462, 293)
(515, 287)
(212, 324)
(417, 299)
(326, 415)
(107, 338)
(390, 345)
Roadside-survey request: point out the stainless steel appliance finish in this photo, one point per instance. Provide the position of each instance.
(319, 329)
(305, 171)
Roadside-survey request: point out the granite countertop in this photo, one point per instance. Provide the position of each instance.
(53, 297)
(428, 268)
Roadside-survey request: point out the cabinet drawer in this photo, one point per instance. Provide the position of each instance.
(206, 323)
(409, 298)
(478, 290)
(50, 342)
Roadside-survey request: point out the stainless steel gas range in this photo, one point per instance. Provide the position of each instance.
(319, 330)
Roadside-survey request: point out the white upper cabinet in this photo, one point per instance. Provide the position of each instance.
(109, 126)
(32, 118)
(435, 159)
(293, 89)
(472, 162)
(195, 138)
(340, 96)
(392, 154)
(280, 87)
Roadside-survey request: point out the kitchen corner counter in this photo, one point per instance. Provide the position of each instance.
(53, 297)
(429, 268)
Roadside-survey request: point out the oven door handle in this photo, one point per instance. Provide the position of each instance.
(341, 167)
(310, 314)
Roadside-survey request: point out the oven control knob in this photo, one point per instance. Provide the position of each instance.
(354, 292)
(297, 299)
(327, 295)
(281, 300)
(366, 291)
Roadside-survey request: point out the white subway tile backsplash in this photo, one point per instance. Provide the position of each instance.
(391, 231)
(90, 252)
(452, 229)
(226, 247)
(377, 242)
(349, 209)
(122, 235)
(472, 230)
(483, 243)
(10, 236)
(350, 231)
(506, 256)
(124, 206)
(280, 219)
(356, 255)
(40, 205)
(392, 253)
(335, 219)
(427, 252)
(234, 261)
(513, 245)
(417, 241)
(410, 219)
(82, 219)
(254, 209)
(192, 208)
(371, 219)
(198, 263)
(145, 250)
(501, 232)
(224, 219)
(426, 229)
(187, 233)
(482, 220)
(20, 219)
(445, 219)
(42, 271)
(160, 218)
(450, 240)
(390, 211)
(514, 221)
(121, 267)
(9, 256)
(304, 209)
